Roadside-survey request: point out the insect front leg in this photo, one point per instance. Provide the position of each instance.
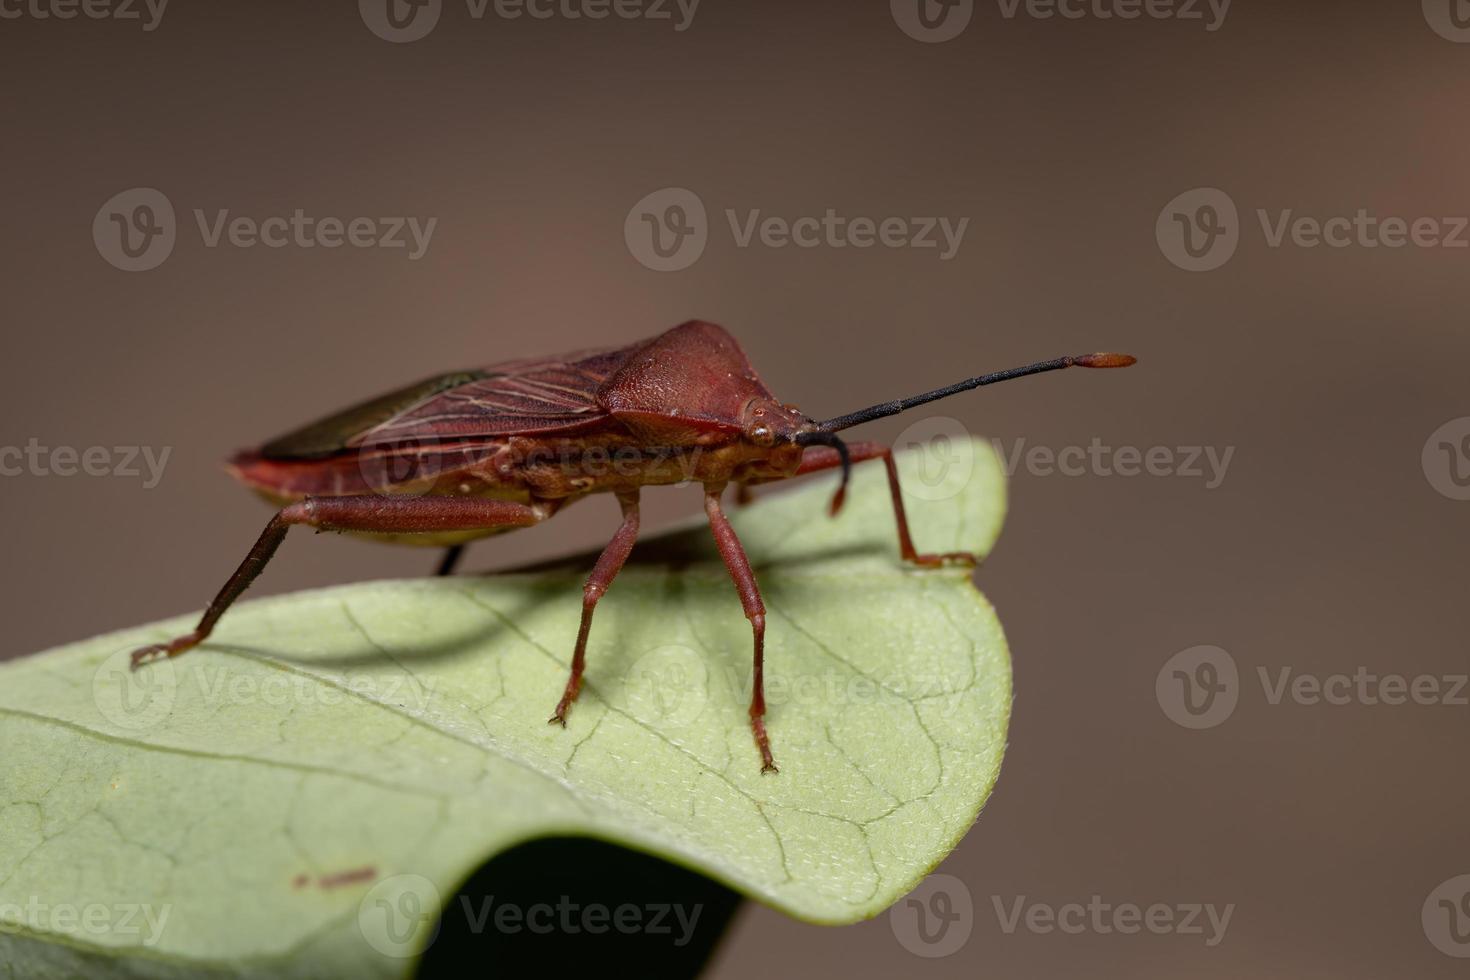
(820, 458)
(366, 512)
(608, 564)
(755, 611)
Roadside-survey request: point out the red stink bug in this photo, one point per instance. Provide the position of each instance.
(474, 453)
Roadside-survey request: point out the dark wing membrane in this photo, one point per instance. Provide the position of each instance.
(516, 397)
(519, 397)
(335, 433)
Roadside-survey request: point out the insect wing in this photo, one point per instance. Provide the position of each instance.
(516, 397)
(519, 398)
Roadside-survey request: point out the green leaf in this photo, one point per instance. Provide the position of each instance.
(333, 763)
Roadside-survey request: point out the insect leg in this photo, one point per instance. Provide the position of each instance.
(451, 558)
(606, 569)
(755, 611)
(366, 512)
(820, 458)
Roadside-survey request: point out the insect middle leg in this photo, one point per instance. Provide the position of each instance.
(820, 458)
(451, 558)
(755, 611)
(366, 512)
(608, 564)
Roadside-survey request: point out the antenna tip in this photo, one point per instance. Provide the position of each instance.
(1105, 360)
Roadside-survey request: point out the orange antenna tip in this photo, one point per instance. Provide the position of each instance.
(1105, 360)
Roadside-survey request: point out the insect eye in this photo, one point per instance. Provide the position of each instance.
(762, 435)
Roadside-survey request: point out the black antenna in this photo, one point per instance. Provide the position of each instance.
(893, 408)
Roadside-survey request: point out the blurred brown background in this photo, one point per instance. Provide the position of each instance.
(1326, 548)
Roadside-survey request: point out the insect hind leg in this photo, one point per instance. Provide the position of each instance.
(363, 512)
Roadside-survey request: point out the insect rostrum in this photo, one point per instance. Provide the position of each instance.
(474, 453)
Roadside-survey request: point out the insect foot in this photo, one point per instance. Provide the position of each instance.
(172, 648)
(768, 763)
